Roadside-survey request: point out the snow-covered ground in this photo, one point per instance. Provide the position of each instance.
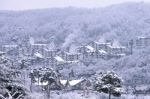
(85, 95)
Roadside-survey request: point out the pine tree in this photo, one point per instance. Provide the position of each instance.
(51, 77)
(109, 83)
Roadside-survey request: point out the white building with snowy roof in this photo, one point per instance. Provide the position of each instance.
(6, 48)
(59, 60)
(142, 42)
(99, 45)
(69, 57)
(76, 84)
(49, 53)
(116, 48)
(36, 47)
(11, 50)
(39, 55)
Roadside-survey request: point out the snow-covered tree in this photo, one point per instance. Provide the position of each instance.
(51, 77)
(109, 83)
(24, 63)
(33, 75)
(16, 90)
(8, 78)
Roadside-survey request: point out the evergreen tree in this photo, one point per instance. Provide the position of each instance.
(109, 83)
(51, 77)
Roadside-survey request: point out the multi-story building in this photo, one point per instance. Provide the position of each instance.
(35, 47)
(99, 45)
(49, 53)
(116, 50)
(69, 57)
(108, 49)
(11, 50)
(142, 42)
(7, 48)
(86, 51)
(38, 48)
(72, 57)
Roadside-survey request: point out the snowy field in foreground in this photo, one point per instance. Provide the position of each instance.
(81, 95)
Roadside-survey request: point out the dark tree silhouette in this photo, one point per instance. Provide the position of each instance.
(51, 77)
(109, 83)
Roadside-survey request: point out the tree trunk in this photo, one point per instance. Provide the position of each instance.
(38, 81)
(110, 93)
(31, 86)
(48, 91)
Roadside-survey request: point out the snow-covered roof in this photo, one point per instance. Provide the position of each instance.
(116, 45)
(38, 55)
(39, 44)
(38, 82)
(90, 48)
(71, 82)
(72, 61)
(10, 45)
(119, 90)
(102, 40)
(142, 37)
(32, 42)
(141, 87)
(63, 82)
(102, 51)
(58, 58)
(73, 49)
(99, 40)
(75, 82)
(121, 54)
(41, 83)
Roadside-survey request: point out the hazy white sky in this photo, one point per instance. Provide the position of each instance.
(36, 4)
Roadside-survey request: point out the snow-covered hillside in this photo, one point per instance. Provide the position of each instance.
(123, 22)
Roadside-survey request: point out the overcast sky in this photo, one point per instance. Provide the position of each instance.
(36, 4)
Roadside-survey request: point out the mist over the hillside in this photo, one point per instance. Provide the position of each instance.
(122, 22)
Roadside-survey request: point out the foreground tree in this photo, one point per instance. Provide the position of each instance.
(109, 83)
(8, 77)
(51, 77)
(16, 90)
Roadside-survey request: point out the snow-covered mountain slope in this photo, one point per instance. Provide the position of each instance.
(122, 22)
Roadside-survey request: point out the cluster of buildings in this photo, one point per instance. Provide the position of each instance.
(47, 54)
(105, 50)
(50, 54)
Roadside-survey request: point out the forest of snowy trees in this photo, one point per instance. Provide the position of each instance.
(69, 28)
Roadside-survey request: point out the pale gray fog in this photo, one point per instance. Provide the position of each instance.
(36, 4)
